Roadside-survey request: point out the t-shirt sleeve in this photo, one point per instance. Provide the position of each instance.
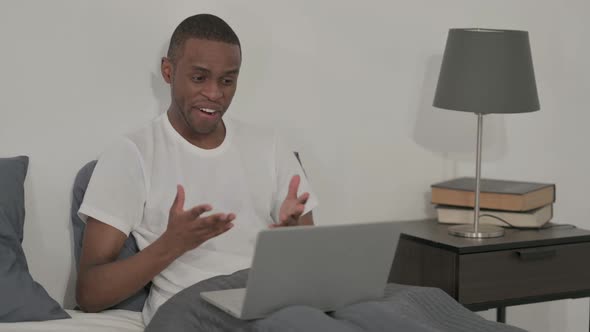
(286, 166)
(116, 192)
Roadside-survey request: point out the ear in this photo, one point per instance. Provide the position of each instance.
(167, 69)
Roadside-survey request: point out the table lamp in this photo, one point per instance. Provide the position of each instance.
(485, 71)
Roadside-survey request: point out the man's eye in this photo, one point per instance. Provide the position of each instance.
(198, 78)
(228, 81)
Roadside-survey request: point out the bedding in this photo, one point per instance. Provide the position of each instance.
(404, 308)
(21, 297)
(106, 321)
(12, 191)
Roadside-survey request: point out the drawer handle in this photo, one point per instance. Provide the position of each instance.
(533, 254)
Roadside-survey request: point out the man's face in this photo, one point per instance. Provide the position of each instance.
(203, 80)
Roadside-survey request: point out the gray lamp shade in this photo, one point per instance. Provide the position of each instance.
(487, 71)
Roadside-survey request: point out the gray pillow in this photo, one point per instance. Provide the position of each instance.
(12, 191)
(137, 300)
(22, 299)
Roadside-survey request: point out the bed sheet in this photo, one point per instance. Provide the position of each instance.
(109, 320)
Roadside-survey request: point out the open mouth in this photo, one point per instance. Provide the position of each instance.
(209, 112)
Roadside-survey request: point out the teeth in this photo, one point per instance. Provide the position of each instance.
(208, 110)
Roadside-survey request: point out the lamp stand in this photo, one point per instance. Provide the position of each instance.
(476, 230)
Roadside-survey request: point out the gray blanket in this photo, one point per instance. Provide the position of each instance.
(404, 308)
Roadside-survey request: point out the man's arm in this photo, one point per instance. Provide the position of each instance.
(104, 282)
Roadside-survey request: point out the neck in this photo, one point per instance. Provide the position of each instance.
(206, 141)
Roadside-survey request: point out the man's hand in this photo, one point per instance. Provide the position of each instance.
(292, 206)
(187, 229)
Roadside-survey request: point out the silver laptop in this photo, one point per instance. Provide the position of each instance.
(326, 267)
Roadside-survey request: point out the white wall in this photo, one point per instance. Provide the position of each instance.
(349, 82)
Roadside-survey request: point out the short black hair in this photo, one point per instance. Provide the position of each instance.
(201, 26)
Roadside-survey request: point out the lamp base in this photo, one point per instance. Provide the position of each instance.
(484, 231)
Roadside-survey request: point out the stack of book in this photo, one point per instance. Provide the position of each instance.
(502, 203)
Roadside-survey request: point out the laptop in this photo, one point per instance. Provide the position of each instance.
(325, 267)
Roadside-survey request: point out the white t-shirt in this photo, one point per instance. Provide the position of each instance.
(134, 185)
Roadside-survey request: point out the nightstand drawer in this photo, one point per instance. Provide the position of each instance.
(520, 273)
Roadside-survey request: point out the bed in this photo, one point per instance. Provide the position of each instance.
(26, 306)
(106, 321)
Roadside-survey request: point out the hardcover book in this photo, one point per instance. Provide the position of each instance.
(494, 194)
(528, 219)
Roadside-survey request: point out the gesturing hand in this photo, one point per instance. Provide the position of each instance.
(187, 229)
(292, 206)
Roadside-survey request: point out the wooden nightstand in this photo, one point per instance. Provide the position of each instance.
(524, 266)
